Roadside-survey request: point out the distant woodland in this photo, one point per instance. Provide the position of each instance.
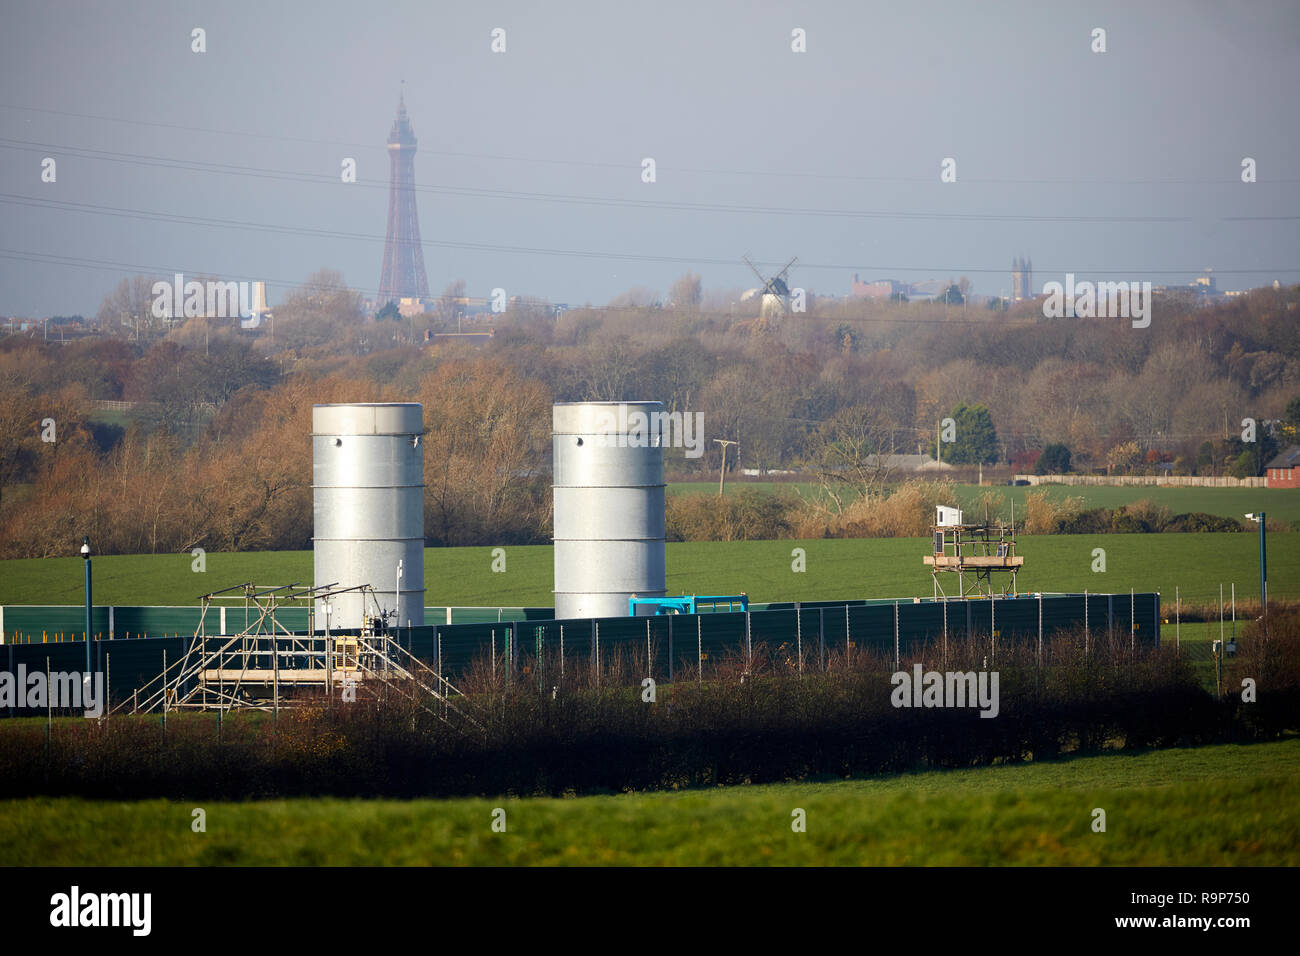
(212, 448)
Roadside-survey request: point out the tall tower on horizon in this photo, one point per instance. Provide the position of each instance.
(1022, 279)
(403, 273)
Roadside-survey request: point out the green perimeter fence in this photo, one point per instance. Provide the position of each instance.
(50, 623)
(808, 635)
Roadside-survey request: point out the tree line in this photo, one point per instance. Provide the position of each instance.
(214, 450)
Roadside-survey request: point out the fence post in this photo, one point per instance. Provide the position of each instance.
(749, 649)
(699, 651)
(848, 636)
(275, 676)
(1040, 629)
(648, 668)
(1155, 619)
(945, 633)
(896, 659)
(670, 648)
(798, 634)
(821, 638)
(595, 628)
(993, 629)
(1132, 621)
(1178, 621)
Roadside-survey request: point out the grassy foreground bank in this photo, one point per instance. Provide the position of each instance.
(1220, 806)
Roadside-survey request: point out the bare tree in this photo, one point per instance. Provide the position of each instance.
(686, 292)
(853, 453)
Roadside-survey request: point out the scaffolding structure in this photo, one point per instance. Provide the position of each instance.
(975, 553)
(265, 666)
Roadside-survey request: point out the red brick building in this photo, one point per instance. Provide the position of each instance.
(880, 289)
(1284, 470)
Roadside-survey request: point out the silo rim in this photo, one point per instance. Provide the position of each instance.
(614, 404)
(367, 405)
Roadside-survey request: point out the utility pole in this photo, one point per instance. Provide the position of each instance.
(1263, 568)
(722, 471)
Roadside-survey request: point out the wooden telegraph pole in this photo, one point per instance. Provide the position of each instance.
(722, 471)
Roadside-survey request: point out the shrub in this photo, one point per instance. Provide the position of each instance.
(747, 515)
(1092, 521)
(1144, 517)
(1199, 521)
(1043, 515)
(906, 513)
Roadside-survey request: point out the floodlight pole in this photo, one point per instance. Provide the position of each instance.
(1263, 570)
(85, 553)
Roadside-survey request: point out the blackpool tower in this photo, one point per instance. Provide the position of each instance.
(403, 273)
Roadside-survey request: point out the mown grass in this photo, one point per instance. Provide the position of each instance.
(1216, 806)
(835, 569)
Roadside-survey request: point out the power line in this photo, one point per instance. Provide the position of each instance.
(497, 248)
(138, 159)
(552, 161)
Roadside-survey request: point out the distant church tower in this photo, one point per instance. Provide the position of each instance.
(1022, 279)
(403, 273)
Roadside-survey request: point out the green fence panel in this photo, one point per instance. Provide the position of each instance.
(32, 623)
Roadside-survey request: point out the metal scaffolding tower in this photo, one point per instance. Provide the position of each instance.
(265, 666)
(975, 552)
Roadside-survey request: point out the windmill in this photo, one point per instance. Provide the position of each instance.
(775, 292)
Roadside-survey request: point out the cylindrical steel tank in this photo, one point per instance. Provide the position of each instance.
(368, 509)
(609, 506)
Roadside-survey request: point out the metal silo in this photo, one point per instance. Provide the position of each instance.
(368, 508)
(609, 506)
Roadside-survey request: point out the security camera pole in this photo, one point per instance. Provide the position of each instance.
(722, 471)
(85, 553)
(1263, 567)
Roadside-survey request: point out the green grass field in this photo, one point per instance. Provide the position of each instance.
(847, 568)
(1224, 805)
(1279, 503)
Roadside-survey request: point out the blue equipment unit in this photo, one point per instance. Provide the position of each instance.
(686, 604)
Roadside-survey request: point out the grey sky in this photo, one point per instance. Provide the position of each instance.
(1046, 135)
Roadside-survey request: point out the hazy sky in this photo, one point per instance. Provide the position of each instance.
(1119, 165)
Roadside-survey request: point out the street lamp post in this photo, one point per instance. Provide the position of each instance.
(1263, 567)
(85, 553)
